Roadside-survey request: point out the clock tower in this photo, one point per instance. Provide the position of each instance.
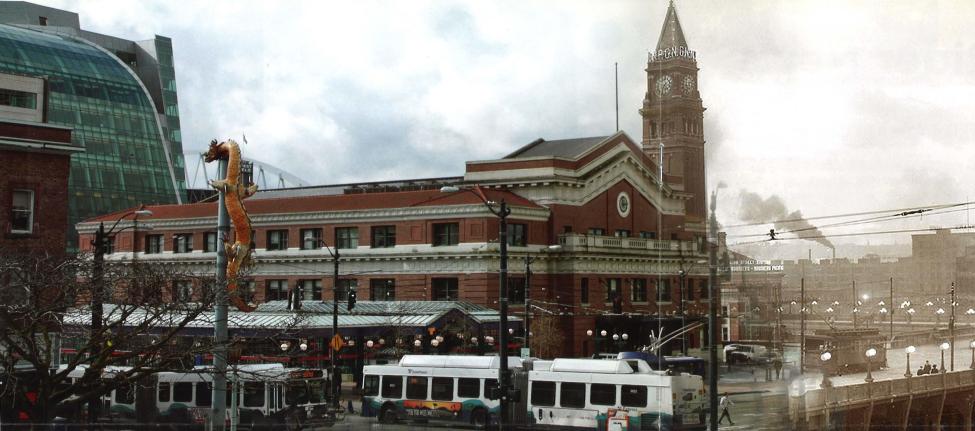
(673, 113)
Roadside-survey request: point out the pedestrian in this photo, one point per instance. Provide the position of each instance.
(920, 370)
(724, 404)
(777, 363)
(927, 367)
(934, 369)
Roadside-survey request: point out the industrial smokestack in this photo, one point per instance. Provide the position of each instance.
(834, 254)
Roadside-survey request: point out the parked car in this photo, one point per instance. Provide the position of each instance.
(746, 354)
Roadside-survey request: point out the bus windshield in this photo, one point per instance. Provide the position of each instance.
(305, 392)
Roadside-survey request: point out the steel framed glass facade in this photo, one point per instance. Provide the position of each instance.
(90, 90)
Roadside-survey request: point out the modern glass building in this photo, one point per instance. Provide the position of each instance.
(119, 96)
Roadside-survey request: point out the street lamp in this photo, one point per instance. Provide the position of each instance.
(908, 350)
(824, 358)
(502, 213)
(910, 318)
(528, 276)
(940, 312)
(870, 353)
(944, 346)
(333, 352)
(100, 248)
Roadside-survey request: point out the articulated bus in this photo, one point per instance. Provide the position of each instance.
(267, 396)
(603, 394)
(425, 387)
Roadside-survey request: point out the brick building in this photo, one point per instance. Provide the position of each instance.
(625, 232)
(36, 161)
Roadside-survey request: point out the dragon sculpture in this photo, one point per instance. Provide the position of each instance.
(238, 253)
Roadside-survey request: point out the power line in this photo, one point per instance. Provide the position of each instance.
(901, 216)
(901, 211)
(859, 234)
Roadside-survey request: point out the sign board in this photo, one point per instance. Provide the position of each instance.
(525, 353)
(336, 343)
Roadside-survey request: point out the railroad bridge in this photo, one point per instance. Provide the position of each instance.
(928, 402)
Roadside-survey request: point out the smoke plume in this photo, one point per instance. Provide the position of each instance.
(754, 209)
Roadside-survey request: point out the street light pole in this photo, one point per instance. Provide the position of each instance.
(333, 353)
(220, 336)
(713, 315)
(951, 325)
(528, 311)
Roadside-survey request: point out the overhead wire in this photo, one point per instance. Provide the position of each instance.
(873, 212)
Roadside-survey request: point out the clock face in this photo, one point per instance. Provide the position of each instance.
(688, 84)
(664, 83)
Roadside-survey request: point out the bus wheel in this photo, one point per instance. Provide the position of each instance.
(387, 414)
(479, 418)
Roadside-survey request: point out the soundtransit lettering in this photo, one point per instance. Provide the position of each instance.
(674, 51)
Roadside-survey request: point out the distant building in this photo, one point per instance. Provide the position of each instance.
(34, 176)
(118, 96)
(935, 258)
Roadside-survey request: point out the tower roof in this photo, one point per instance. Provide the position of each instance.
(671, 35)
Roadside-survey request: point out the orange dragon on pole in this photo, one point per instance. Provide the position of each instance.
(238, 253)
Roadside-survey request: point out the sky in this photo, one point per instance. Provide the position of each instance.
(833, 106)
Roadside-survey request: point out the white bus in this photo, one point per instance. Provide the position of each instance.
(422, 387)
(613, 395)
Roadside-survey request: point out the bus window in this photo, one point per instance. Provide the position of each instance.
(489, 385)
(573, 395)
(442, 389)
(204, 394)
(416, 388)
(392, 387)
(370, 386)
(253, 394)
(164, 392)
(543, 393)
(602, 394)
(296, 394)
(633, 396)
(183, 392)
(316, 391)
(468, 388)
(124, 394)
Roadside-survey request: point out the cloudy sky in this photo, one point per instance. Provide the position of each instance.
(834, 106)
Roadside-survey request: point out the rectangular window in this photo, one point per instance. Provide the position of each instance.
(383, 236)
(663, 291)
(602, 394)
(444, 289)
(210, 242)
(566, 229)
(22, 212)
(648, 235)
(310, 289)
(490, 385)
(543, 393)
(516, 290)
(276, 290)
(442, 389)
(345, 285)
(393, 387)
(622, 233)
(18, 99)
(517, 234)
(253, 394)
(416, 387)
(183, 392)
(584, 291)
(597, 231)
(183, 290)
(311, 239)
(182, 243)
(633, 396)
(204, 394)
(154, 244)
(277, 240)
(382, 289)
(468, 388)
(638, 293)
(164, 392)
(612, 289)
(370, 386)
(347, 237)
(446, 234)
(572, 395)
(125, 393)
(702, 287)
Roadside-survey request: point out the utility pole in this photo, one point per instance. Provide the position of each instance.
(802, 325)
(951, 326)
(891, 311)
(713, 316)
(218, 412)
(333, 352)
(97, 312)
(504, 379)
(855, 306)
(528, 311)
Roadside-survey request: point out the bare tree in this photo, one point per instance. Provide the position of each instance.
(548, 336)
(47, 352)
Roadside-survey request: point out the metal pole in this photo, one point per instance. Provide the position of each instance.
(855, 306)
(891, 312)
(683, 323)
(333, 353)
(951, 326)
(97, 294)
(802, 325)
(528, 313)
(713, 316)
(504, 379)
(218, 411)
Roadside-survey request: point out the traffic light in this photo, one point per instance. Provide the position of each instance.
(351, 299)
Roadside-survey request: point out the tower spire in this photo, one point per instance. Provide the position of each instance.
(671, 35)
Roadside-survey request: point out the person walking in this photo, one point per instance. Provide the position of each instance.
(723, 405)
(777, 363)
